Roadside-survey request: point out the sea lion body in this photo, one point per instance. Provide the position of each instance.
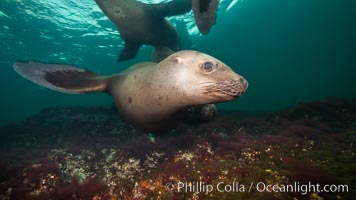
(141, 88)
(153, 97)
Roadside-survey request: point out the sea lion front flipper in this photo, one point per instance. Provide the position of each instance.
(160, 53)
(129, 52)
(200, 113)
(205, 14)
(62, 78)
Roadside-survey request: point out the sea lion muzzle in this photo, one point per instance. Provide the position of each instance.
(228, 89)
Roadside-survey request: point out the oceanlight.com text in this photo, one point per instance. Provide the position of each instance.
(297, 187)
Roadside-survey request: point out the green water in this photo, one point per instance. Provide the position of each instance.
(290, 51)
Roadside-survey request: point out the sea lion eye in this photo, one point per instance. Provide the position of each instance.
(208, 66)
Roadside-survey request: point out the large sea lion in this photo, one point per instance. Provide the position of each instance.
(152, 96)
(140, 23)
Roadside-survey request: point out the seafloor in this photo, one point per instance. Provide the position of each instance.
(90, 153)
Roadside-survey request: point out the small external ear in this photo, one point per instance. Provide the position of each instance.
(177, 59)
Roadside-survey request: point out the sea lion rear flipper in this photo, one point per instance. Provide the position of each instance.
(61, 78)
(129, 52)
(205, 14)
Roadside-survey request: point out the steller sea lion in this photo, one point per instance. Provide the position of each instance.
(152, 96)
(140, 23)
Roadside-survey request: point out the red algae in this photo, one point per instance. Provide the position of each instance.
(305, 172)
(305, 131)
(92, 188)
(95, 155)
(275, 139)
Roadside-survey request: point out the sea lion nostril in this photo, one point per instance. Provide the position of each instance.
(245, 83)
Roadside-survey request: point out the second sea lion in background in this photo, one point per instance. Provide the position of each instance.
(140, 23)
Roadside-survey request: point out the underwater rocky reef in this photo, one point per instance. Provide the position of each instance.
(91, 153)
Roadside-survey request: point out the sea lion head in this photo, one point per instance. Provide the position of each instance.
(204, 79)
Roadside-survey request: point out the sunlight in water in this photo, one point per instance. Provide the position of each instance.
(70, 24)
(233, 2)
(86, 15)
